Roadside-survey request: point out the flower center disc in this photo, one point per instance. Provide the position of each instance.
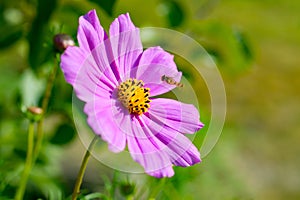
(134, 96)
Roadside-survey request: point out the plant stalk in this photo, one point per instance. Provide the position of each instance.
(84, 162)
(28, 163)
(45, 103)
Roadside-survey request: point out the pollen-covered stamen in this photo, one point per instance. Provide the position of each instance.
(134, 96)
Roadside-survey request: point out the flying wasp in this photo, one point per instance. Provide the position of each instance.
(171, 81)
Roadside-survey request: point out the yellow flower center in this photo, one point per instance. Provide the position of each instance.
(134, 96)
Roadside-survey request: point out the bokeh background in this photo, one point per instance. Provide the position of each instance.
(256, 46)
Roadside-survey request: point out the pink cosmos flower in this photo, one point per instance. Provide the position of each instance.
(117, 79)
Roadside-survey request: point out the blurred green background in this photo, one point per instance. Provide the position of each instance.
(255, 45)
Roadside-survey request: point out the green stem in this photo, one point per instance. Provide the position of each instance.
(84, 162)
(28, 163)
(45, 102)
(49, 86)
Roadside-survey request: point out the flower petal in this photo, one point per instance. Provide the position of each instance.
(71, 62)
(126, 45)
(146, 150)
(157, 147)
(89, 73)
(153, 64)
(90, 32)
(91, 82)
(179, 148)
(101, 118)
(90, 35)
(181, 117)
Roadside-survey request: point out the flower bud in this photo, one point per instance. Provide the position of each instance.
(62, 41)
(34, 113)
